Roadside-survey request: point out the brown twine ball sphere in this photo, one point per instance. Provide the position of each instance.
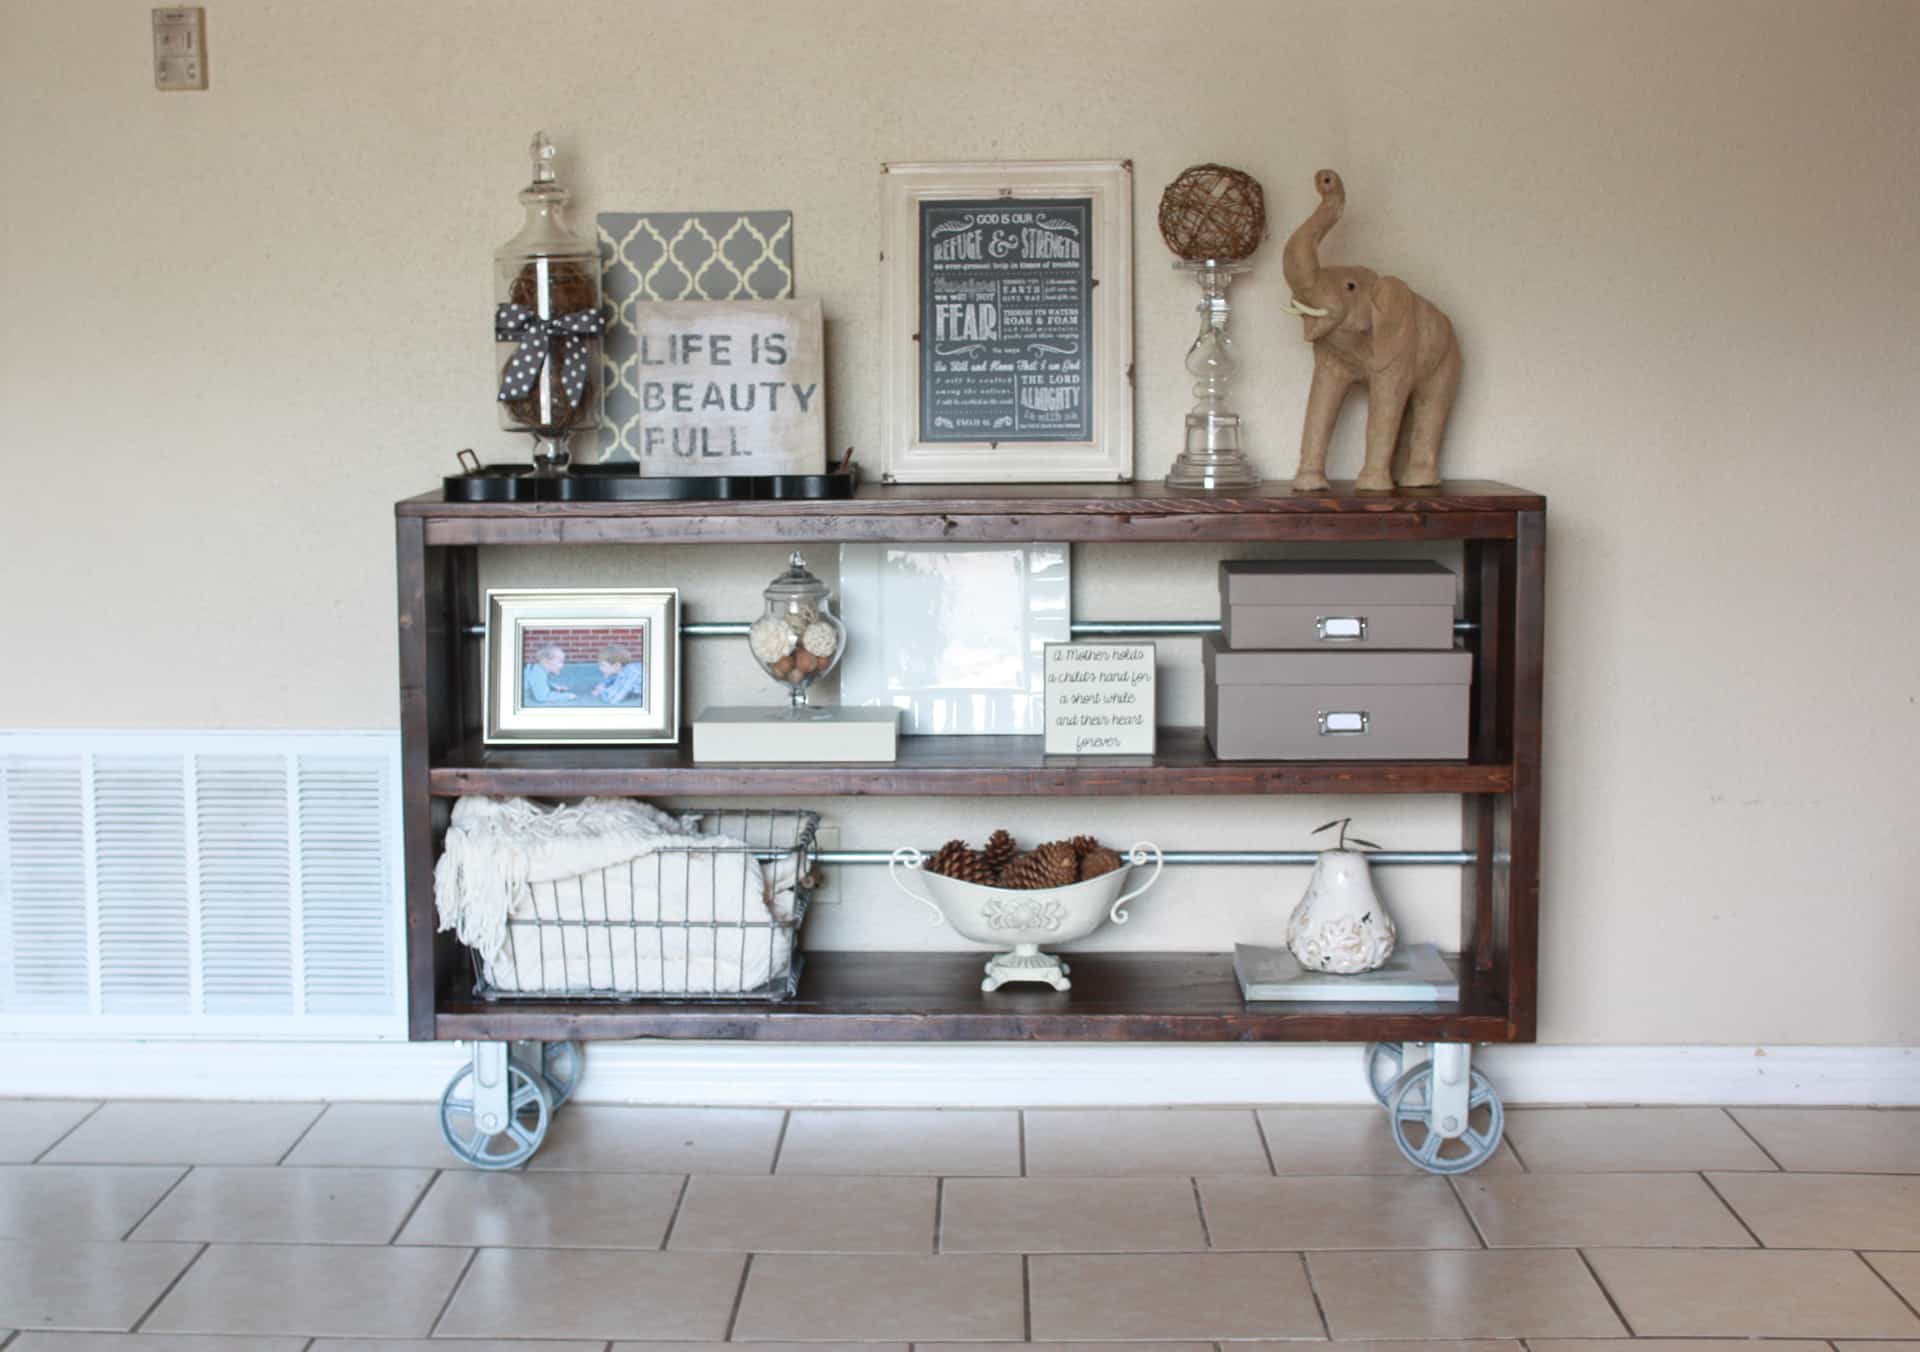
(1211, 211)
(570, 286)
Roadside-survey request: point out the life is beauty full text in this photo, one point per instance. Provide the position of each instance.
(710, 376)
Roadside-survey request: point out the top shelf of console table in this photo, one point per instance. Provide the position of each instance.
(1463, 509)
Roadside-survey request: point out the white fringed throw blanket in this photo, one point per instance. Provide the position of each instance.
(610, 895)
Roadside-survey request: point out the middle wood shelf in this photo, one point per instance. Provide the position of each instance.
(943, 766)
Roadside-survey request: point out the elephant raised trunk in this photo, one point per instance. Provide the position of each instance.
(1371, 331)
(1301, 261)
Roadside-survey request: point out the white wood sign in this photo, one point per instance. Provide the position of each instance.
(1099, 699)
(730, 387)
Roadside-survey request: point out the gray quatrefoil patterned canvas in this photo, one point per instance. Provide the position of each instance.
(677, 255)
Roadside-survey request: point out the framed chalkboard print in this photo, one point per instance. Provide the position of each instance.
(1007, 322)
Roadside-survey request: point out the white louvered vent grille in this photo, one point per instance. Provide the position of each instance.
(345, 909)
(45, 862)
(216, 884)
(140, 861)
(246, 884)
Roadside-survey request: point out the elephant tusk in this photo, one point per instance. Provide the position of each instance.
(1294, 307)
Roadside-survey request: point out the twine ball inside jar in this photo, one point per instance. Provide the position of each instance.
(1213, 212)
(569, 286)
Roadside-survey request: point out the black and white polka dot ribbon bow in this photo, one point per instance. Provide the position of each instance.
(523, 324)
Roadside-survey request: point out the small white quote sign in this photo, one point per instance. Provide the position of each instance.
(1099, 699)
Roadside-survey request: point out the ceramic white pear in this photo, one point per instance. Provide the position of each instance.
(1340, 925)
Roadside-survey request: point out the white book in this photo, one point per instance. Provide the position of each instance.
(767, 734)
(1415, 973)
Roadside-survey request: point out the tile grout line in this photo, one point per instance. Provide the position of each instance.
(1266, 1146)
(1026, 1297)
(1885, 1281)
(1612, 1304)
(55, 1143)
(780, 1141)
(1453, 1184)
(739, 1299)
(179, 1277)
(325, 1108)
(459, 1280)
(1520, 1159)
(939, 1211)
(1020, 1137)
(419, 1200)
(1200, 1206)
(673, 1217)
(158, 1202)
(1720, 1197)
(1319, 1306)
(1741, 1127)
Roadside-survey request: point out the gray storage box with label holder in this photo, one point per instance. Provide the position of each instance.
(1336, 603)
(1336, 705)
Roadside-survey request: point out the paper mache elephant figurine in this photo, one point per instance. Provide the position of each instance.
(1373, 331)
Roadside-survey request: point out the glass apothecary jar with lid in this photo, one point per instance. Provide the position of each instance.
(797, 639)
(547, 321)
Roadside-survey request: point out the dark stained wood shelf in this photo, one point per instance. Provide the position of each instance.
(920, 996)
(973, 766)
(1458, 509)
(917, 997)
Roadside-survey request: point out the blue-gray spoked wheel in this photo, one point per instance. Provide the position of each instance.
(1408, 1108)
(529, 1111)
(561, 1064)
(1384, 1061)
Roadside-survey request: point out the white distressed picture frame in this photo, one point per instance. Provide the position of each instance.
(1107, 457)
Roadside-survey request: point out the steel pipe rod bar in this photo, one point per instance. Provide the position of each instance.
(1301, 858)
(1079, 628)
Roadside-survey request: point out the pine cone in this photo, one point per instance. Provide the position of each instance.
(947, 857)
(1098, 861)
(1048, 866)
(1062, 866)
(1000, 851)
(1083, 846)
(970, 866)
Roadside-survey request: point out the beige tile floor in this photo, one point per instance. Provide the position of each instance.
(151, 1227)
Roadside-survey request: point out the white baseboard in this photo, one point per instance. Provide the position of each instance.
(989, 1075)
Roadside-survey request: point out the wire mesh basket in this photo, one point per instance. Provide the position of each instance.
(696, 922)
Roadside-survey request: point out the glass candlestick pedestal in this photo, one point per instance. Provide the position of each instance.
(1212, 458)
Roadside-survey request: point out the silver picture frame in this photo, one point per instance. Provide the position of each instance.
(559, 666)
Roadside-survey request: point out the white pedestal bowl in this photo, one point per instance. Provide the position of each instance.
(1001, 916)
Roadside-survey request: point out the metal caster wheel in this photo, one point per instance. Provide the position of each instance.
(1410, 1108)
(1385, 1062)
(561, 1064)
(529, 1112)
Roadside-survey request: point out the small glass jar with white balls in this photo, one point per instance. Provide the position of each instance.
(797, 639)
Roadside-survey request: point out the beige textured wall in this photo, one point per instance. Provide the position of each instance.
(1679, 242)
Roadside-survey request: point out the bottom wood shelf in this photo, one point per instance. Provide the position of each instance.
(936, 997)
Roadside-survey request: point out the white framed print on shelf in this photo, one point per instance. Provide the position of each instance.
(583, 665)
(1006, 305)
(953, 635)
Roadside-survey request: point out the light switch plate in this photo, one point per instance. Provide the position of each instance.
(180, 48)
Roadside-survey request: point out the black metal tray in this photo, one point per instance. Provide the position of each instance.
(622, 483)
